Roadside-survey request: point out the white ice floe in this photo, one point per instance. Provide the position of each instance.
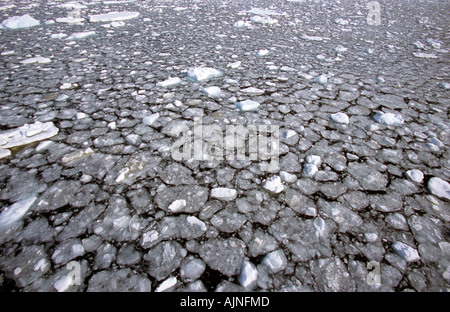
(314, 159)
(258, 11)
(234, 65)
(322, 79)
(72, 5)
(77, 155)
(177, 205)
(58, 36)
(340, 118)
(263, 20)
(248, 276)
(151, 119)
(10, 52)
(340, 49)
(444, 85)
(202, 73)
(439, 187)
(37, 59)
(247, 105)
(4, 153)
(213, 91)
(415, 175)
(274, 185)
(425, 55)
(262, 52)
(253, 91)
(405, 251)
(276, 261)
(17, 22)
(195, 221)
(225, 194)
(389, 119)
(15, 212)
(81, 35)
(311, 38)
(309, 170)
(27, 134)
(167, 284)
(113, 17)
(341, 21)
(70, 20)
(243, 24)
(170, 82)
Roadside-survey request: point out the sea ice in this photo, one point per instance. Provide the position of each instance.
(213, 91)
(81, 35)
(37, 59)
(248, 276)
(150, 120)
(222, 193)
(27, 134)
(274, 185)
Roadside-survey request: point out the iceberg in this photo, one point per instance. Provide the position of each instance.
(17, 22)
(203, 73)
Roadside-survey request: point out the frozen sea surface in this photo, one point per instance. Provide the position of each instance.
(96, 98)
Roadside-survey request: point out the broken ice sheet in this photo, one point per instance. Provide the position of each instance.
(15, 212)
(27, 134)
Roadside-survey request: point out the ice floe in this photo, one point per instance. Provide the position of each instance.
(439, 187)
(202, 73)
(170, 82)
(389, 119)
(15, 212)
(113, 17)
(247, 105)
(27, 134)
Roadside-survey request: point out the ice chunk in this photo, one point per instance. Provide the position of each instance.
(177, 205)
(258, 11)
(262, 52)
(172, 81)
(4, 153)
(15, 212)
(341, 21)
(248, 276)
(389, 119)
(439, 187)
(191, 269)
(81, 35)
(167, 285)
(70, 20)
(253, 91)
(247, 105)
(37, 59)
(274, 185)
(415, 175)
(202, 73)
(314, 159)
(311, 38)
(340, 118)
(309, 170)
(27, 134)
(113, 17)
(223, 193)
(425, 55)
(276, 261)
(322, 79)
(17, 22)
(234, 64)
(405, 251)
(150, 120)
(213, 91)
(263, 20)
(243, 24)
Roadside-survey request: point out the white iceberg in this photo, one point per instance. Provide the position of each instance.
(17, 22)
(439, 187)
(113, 17)
(340, 118)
